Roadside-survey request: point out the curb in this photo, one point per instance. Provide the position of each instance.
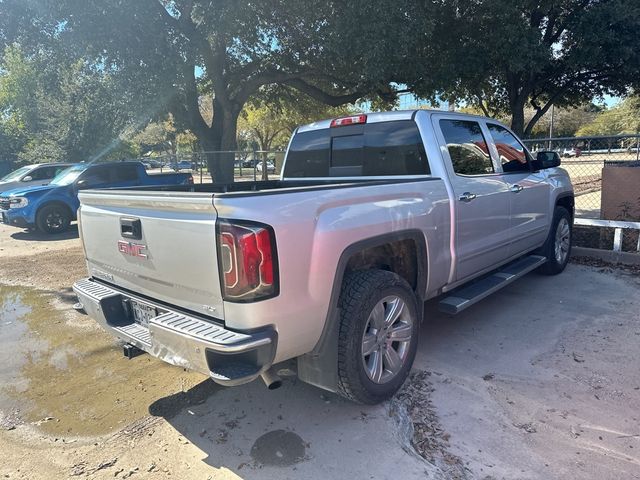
(607, 255)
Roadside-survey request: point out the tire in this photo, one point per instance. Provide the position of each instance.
(369, 320)
(557, 248)
(53, 219)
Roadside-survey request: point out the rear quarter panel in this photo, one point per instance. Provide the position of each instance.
(312, 230)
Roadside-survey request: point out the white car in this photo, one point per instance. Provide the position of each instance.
(37, 174)
(571, 152)
(271, 168)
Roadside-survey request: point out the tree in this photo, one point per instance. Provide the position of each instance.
(158, 137)
(509, 54)
(566, 121)
(622, 119)
(60, 111)
(170, 53)
(262, 126)
(270, 119)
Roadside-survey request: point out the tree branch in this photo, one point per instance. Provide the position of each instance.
(481, 104)
(318, 94)
(540, 111)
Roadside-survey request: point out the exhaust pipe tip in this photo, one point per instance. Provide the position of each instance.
(271, 379)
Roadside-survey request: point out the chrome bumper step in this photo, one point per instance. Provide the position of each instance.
(200, 344)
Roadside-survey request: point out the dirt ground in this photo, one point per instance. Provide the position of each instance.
(539, 381)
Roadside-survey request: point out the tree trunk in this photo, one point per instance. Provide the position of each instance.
(220, 144)
(517, 116)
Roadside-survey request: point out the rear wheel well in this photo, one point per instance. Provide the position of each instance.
(399, 257)
(567, 202)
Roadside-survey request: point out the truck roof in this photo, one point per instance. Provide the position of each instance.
(49, 164)
(96, 164)
(376, 117)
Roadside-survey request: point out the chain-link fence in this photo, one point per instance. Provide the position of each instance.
(248, 164)
(605, 172)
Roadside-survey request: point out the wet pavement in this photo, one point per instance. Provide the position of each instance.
(60, 372)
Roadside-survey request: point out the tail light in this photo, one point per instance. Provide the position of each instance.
(353, 120)
(247, 261)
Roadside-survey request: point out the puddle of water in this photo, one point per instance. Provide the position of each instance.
(61, 371)
(278, 448)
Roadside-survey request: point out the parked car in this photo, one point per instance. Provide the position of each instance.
(371, 218)
(52, 207)
(248, 163)
(27, 176)
(271, 168)
(182, 165)
(571, 152)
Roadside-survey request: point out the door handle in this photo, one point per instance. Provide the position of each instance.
(131, 228)
(516, 188)
(467, 197)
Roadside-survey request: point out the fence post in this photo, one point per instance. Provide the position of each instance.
(638, 147)
(255, 164)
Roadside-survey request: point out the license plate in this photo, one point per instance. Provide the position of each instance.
(142, 312)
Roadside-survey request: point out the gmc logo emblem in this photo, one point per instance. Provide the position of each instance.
(132, 249)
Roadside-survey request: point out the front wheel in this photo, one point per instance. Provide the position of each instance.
(378, 335)
(557, 248)
(53, 219)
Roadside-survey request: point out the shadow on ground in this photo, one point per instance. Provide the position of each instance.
(35, 235)
(297, 431)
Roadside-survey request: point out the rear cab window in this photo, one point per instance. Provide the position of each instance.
(381, 149)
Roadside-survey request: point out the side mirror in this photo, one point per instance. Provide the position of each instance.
(546, 159)
(80, 184)
(28, 178)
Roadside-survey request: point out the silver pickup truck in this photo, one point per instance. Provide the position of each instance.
(330, 264)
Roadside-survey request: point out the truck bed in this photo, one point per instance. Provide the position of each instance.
(268, 186)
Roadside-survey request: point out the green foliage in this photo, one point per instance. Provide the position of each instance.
(566, 121)
(267, 121)
(506, 54)
(54, 110)
(158, 137)
(335, 52)
(624, 118)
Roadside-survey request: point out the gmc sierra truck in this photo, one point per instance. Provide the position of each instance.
(330, 264)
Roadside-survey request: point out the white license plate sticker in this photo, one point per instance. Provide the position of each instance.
(142, 312)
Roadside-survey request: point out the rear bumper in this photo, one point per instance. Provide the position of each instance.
(228, 357)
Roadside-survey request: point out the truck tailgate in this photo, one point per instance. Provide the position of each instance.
(157, 244)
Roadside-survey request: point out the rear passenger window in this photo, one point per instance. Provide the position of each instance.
(512, 154)
(95, 176)
(467, 147)
(376, 149)
(124, 173)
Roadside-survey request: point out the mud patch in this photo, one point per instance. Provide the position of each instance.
(419, 428)
(278, 448)
(63, 374)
